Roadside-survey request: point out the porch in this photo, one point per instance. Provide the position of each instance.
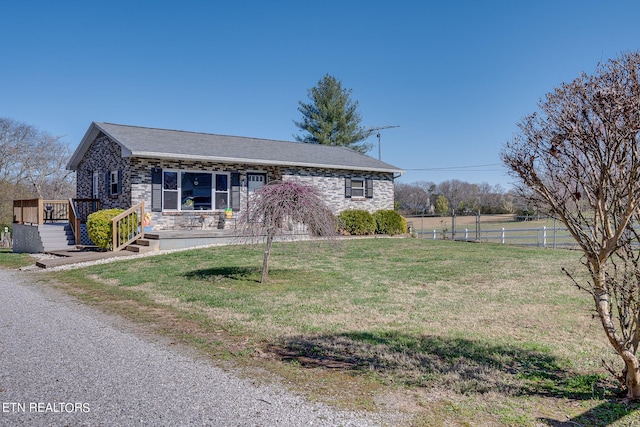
(58, 227)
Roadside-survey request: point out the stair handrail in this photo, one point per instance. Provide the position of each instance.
(74, 221)
(127, 227)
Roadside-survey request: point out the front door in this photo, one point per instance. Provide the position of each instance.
(255, 181)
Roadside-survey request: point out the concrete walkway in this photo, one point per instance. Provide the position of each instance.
(166, 241)
(77, 256)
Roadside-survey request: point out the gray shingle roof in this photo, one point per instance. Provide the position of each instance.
(172, 144)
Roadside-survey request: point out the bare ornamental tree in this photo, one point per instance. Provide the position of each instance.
(579, 159)
(283, 204)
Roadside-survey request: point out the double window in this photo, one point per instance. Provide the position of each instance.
(194, 191)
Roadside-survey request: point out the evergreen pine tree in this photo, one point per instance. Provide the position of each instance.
(331, 117)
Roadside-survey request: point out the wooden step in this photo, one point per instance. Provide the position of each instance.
(144, 245)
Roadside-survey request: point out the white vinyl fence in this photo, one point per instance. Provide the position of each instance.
(515, 233)
(546, 237)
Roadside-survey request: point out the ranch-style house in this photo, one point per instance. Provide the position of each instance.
(178, 173)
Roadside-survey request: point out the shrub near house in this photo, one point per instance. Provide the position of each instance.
(389, 222)
(100, 229)
(360, 222)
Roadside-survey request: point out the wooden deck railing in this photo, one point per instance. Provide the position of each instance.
(39, 211)
(28, 211)
(127, 227)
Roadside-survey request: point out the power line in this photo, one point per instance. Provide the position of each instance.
(457, 168)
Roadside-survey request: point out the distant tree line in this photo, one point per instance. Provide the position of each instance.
(428, 198)
(32, 164)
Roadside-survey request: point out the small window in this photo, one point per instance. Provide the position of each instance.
(114, 183)
(357, 187)
(94, 184)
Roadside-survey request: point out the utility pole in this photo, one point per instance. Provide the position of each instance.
(371, 130)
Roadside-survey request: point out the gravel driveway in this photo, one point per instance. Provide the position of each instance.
(63, 363)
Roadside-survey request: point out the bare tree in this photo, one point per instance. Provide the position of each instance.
(453, 190)
(32, 163)
(14, 143)
(412, 198)
(579, 158)
(45, 166)
(430, 190)
(276, 207)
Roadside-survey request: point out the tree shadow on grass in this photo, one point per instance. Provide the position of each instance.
(459, 364)
(249, 274)
(602, 415)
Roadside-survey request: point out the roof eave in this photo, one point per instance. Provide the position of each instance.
(169, 156)
(82, 148)
(86, 142)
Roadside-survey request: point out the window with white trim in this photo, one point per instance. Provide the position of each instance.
(114, 182)
(221, 194)
(170, 194)
(357, 187)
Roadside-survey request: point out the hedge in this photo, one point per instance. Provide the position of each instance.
(390, 222)
(100, 229)
(357, 222)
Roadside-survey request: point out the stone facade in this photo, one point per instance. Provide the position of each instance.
(136, 176)
(141, 188)
(331, 184)
(102, 157)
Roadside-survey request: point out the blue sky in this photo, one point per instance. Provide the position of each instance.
(455, 76)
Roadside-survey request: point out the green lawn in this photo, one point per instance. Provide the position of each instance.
(8, 259)
(449, 332)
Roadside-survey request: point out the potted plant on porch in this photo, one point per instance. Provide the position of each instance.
(147, 222)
